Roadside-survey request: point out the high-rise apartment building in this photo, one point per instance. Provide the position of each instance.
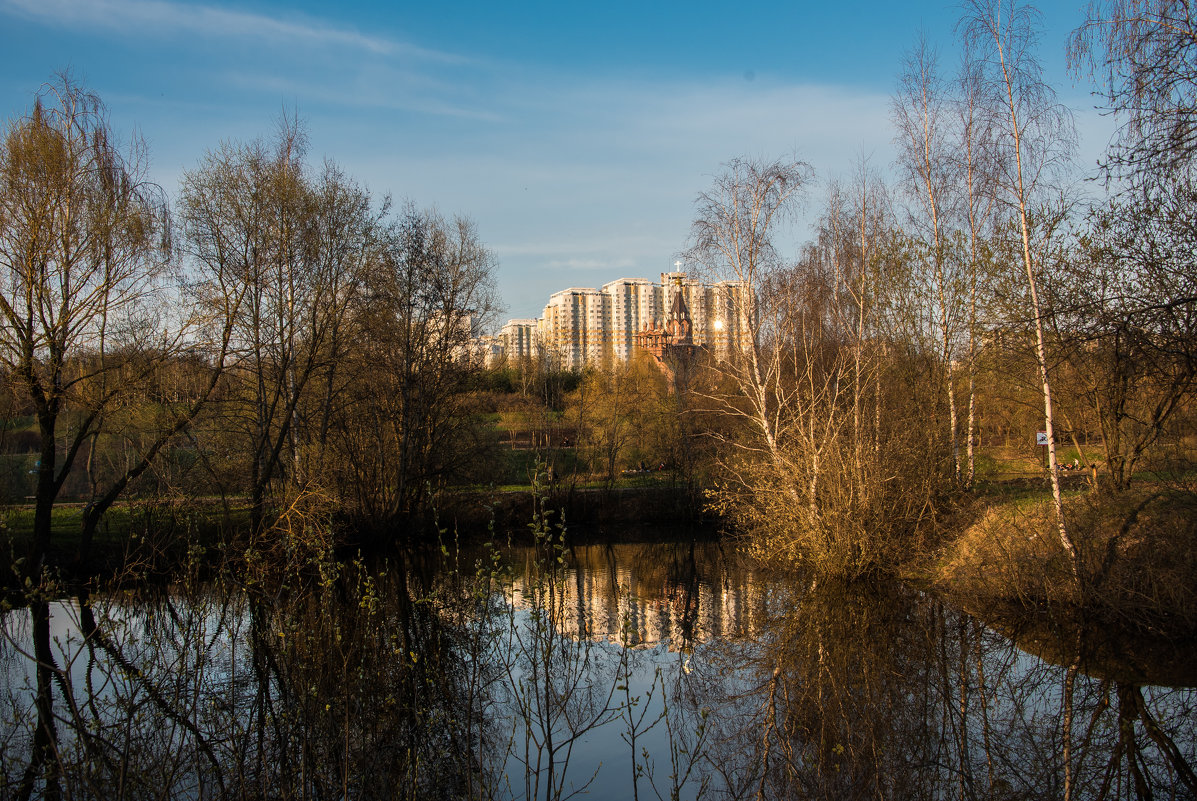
(519, 339)
(728, 312)
(574, 328)
(581, 325)
(634, 302)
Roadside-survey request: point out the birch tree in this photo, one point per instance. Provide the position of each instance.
(1145, 52)
(921, 112)
(1033, 135)
(732, 238)
(975, 172)
(821, 419)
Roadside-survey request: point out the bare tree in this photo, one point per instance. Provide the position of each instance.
(1129, 305)
(975, 170)
(277, 251)
(805, 472)
(1033, 135)
(1136, 301)
(732, 238)
(402, 426)
(1147, 50)
(84, 254)
(922, 114)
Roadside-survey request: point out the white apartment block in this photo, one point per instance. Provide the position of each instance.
(728, 310)
(581, 325)
(489, 350)
(574, 329)
(519, 339)
(634, 302)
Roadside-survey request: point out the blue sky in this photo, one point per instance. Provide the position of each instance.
(575, 135)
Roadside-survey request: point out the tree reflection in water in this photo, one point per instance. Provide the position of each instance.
(869, 691)
(638, 661)
(364, 684)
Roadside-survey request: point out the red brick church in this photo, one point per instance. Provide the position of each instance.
(673, 342)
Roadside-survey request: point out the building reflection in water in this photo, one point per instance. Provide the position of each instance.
(676, 594)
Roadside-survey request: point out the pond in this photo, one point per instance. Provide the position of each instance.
(663, 668)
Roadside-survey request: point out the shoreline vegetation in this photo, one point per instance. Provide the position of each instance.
(467, 515)
(992, 554)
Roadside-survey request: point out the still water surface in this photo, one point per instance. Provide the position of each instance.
(630, 670)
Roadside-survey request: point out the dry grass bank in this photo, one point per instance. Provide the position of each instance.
(1137, 558)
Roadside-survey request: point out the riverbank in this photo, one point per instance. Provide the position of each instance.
(998, 549)
(148, 538)
(1135, 568)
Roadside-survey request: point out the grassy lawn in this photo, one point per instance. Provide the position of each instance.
(126, 525)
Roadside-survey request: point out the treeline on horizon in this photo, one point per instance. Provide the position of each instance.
(278, 337)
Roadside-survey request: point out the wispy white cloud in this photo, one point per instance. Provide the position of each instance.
(161, 17)
(606, 265)
(708, 123)
(405, 92)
